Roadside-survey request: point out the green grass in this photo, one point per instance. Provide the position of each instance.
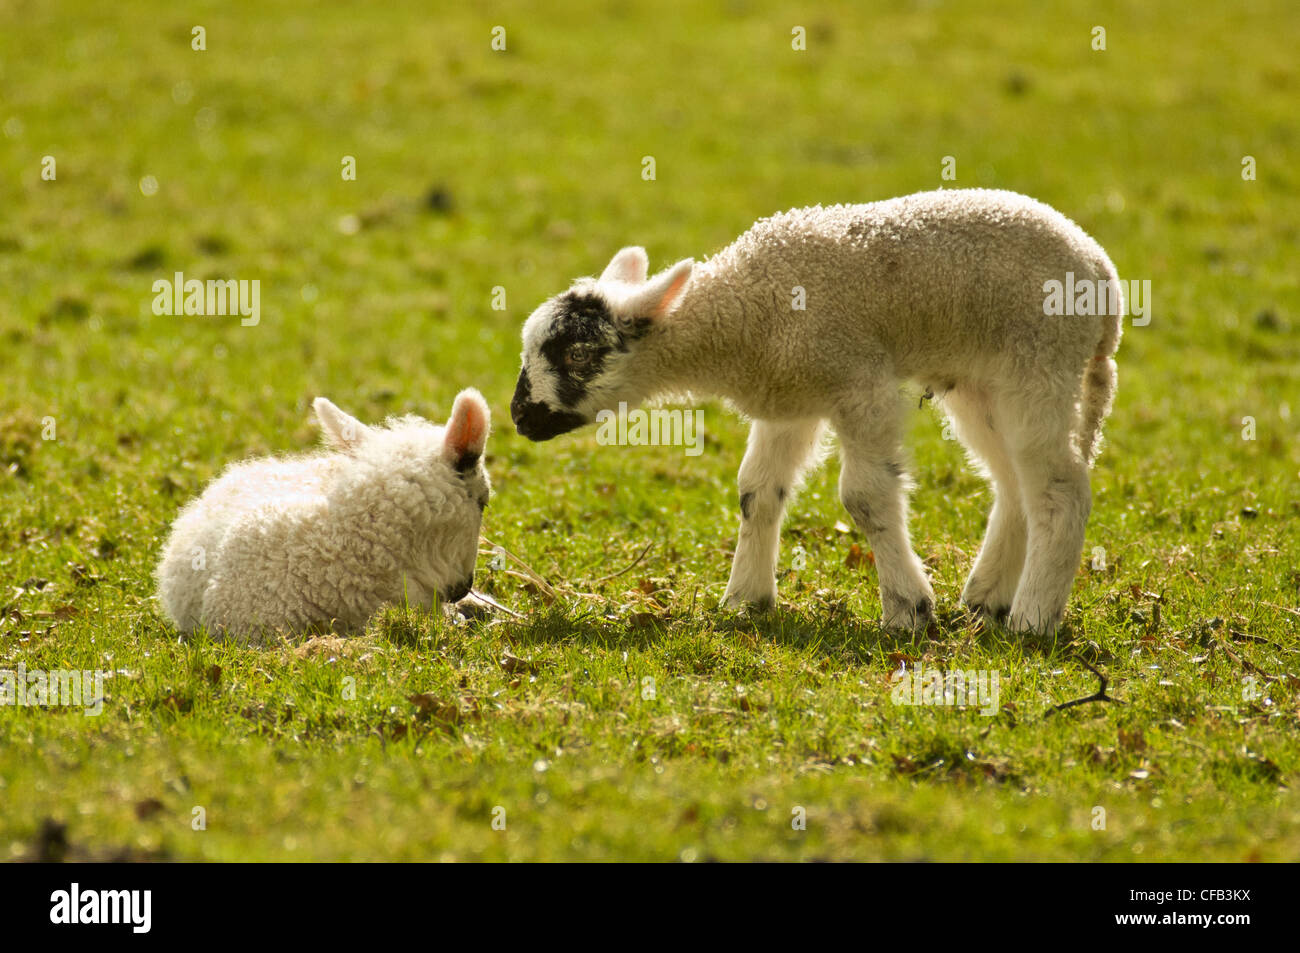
(537, 151)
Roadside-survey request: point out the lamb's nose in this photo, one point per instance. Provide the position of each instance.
(523, 391)
(458, 591)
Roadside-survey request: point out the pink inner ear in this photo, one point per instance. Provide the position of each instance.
(671, 294)
(467, 428)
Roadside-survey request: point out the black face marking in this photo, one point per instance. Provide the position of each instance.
(467, 463)
(534, 419)
(746, 504)
(585, 324)
(582, 336)
(780, 494)
(539, 422)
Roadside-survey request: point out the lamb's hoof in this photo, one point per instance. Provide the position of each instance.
(752, 606)
(992, 613)
(1032, 623)
(740, 603)
(908, 617)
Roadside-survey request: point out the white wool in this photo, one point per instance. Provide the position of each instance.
(945, 288)
(390, 515)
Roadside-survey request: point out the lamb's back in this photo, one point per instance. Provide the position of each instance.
(923, 278)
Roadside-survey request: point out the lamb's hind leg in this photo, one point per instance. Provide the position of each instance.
(873, 489)
(777, 454)
(1057, 498)
(996, 573)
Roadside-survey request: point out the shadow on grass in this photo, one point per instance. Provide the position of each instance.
(830, 631)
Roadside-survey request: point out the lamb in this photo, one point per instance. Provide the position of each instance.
(388, 515)
(943, 288)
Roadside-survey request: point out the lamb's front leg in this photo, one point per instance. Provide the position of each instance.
(774, 461)
(873, 490)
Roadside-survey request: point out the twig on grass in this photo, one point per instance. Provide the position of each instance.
(1245, 663)
(1239, 636)
(492, 603)
(628, 568)
(1098, 696)
(529, 574)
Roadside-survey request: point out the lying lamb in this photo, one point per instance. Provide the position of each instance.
(390, 515)
(816, 315)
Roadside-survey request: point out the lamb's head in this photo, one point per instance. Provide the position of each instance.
(431, 477)
(581, 347)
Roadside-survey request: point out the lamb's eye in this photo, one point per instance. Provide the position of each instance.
(578, 357)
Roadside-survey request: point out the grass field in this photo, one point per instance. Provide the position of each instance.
(479, 170)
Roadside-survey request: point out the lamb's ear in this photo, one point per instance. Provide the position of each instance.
(662, 293)
(631, 266)
(340, 430)
(467, 430)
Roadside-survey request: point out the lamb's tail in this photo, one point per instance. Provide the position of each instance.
(1101, 378)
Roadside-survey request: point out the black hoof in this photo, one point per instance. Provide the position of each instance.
(998, 614)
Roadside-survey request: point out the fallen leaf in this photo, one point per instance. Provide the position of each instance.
(857, 558)
(444, 712)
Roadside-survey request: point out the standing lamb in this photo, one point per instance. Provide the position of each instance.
(816, 315)
(390, 515)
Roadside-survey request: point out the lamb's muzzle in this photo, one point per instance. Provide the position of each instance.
(459, 590)
(536, 421)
